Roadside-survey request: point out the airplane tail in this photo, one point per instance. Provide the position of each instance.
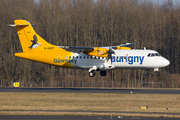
(30, 40)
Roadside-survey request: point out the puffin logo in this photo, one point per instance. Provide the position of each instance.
(34, 43)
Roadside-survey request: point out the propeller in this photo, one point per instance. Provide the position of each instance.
(109, 56)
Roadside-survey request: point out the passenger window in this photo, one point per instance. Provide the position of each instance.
(87, 57)
(94, 57)
(149, 55)
(91, 57)
(80, 57)
(76, 57)
(73, 57)
(84, 57)
(102, 57)
(69, 57)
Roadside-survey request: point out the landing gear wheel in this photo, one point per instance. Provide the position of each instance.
(157, 74)
(103, 73)
(92, 73)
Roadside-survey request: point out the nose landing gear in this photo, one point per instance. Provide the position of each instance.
(157, 71)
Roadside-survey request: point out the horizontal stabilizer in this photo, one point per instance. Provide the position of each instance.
(13, 25)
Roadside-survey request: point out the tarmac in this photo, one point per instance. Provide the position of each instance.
(27, 117)
(86, 90)
(93, 90)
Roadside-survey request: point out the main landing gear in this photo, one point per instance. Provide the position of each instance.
(103, 73)
(92, 73)
(102, 68)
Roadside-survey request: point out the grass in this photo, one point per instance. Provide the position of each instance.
(87, 102)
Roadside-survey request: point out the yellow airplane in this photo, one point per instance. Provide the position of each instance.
(91, 58)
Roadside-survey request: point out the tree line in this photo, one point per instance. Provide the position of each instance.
(91, 23)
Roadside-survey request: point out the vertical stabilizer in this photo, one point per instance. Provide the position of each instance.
(30, 40)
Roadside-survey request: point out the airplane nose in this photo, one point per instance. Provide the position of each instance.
(166, 62)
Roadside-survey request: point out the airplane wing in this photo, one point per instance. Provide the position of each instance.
(118, 46)
(77, 49)
(127, 44)
(96, 51)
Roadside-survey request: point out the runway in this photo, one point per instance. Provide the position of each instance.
(92, 90)
(87, 90)
(27, 117)
(80, 111)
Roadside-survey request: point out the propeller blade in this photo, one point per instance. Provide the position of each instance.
(109, 56)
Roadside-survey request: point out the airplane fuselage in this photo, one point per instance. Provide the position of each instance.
(122, 59)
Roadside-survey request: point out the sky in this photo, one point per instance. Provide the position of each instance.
(154, 1)
(162, 1)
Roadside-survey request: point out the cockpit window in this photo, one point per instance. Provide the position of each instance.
(153, 54)
(157, 54)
